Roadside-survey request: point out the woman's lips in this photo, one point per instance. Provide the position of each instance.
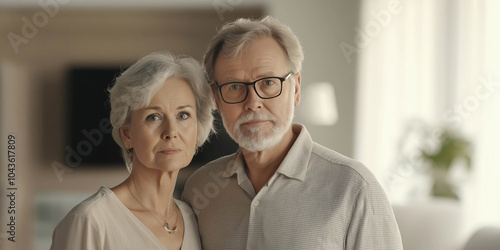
(170, 151)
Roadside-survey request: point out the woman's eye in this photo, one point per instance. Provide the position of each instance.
(184, 115)
(153, 117)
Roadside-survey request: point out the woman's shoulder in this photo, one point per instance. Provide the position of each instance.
(188, 215)
(80, 227)
(93, 205)
(184, 207)
(191, 235)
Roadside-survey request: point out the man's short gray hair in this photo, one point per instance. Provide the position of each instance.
(234, 36)
(137, 85)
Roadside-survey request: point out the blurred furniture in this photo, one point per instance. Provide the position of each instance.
(433, 224)
(486, 238)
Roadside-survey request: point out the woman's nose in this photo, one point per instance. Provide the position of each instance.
(169, 130)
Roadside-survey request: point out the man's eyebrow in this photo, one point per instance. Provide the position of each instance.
(266, 74)
(259, 76)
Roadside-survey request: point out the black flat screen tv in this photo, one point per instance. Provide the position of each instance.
(89, 140)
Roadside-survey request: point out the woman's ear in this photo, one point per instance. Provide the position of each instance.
(127, 141)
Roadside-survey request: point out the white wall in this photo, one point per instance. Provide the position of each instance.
(321, 26)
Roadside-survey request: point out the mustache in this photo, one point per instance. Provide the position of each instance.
(255, 116)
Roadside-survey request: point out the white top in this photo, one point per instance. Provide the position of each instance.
(317, 199)
(103, 222)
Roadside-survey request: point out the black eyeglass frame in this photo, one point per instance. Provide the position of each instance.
(282, 79)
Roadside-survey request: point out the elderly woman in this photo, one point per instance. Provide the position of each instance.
(161, 112)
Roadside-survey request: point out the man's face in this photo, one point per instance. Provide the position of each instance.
(257, 124)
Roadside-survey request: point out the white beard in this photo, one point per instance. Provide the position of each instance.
(254, 139)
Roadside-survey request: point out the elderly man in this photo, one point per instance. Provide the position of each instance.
(280, 190)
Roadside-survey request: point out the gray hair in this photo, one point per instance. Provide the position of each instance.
(234, 36)
(137, 85)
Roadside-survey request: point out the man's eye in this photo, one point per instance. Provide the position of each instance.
(269, 82)
(235, 87)
(153, 117)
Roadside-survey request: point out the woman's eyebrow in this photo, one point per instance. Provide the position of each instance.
(184, 106)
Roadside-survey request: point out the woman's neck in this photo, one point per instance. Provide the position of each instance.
(153, 189)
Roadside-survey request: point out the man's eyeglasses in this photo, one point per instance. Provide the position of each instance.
(266, 88)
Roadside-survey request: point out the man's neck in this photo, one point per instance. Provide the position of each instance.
(262, 165)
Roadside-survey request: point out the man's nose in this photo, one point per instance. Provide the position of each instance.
(253, 101)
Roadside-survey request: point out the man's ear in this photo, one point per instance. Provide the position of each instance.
(216, 96)
(297, 91)
(125, 134)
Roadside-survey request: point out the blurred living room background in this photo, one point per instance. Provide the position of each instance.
(409, 88)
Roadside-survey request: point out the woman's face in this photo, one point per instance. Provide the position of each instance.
(164, 133)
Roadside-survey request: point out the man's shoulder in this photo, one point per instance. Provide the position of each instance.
(217, 165)
(336, 162)
(206, 177)
(208, 172)
(344, 173)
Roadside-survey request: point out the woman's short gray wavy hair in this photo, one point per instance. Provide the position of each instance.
(234, 36)
(137, 85)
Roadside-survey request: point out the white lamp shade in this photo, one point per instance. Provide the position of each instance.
(318, 105)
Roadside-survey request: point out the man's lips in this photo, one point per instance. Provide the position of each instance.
(253, 122)
(170, 151)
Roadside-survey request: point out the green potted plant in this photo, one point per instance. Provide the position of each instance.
(450, 147)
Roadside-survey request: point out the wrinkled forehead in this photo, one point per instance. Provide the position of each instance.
(262, 58)
(233, 47)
